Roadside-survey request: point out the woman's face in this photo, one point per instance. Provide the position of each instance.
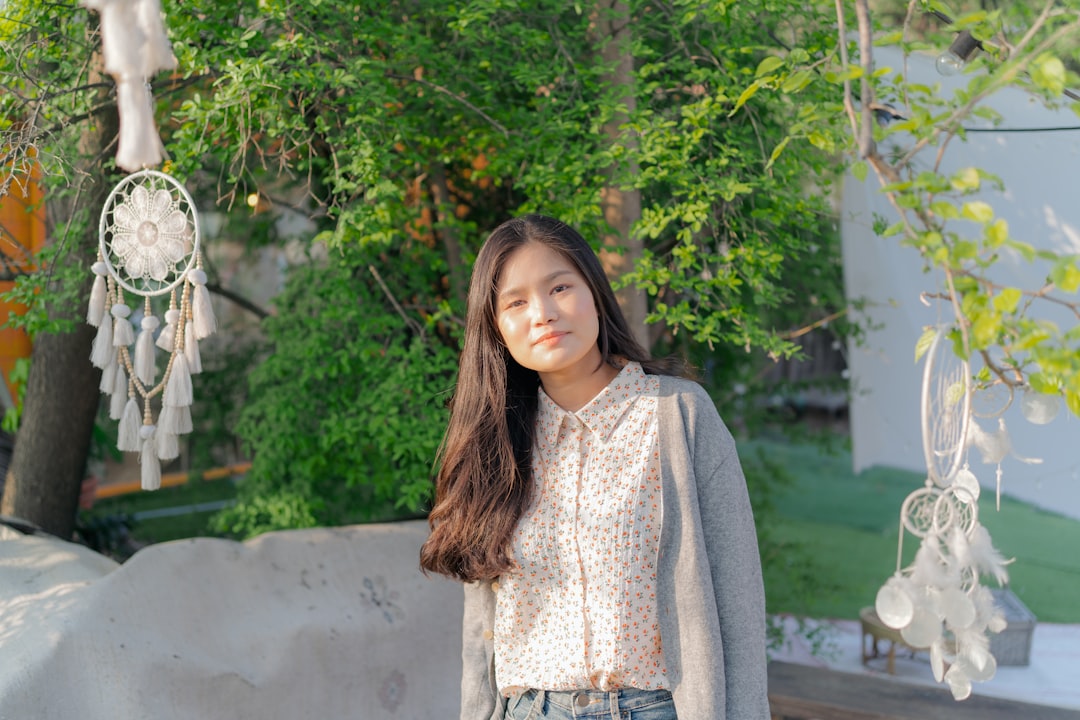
(546, 315)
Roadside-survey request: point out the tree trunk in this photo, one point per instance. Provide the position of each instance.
(60, 406)
(445, 229)
(622, 208)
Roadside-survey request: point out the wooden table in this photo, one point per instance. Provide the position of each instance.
(804, 692)
(874, 630)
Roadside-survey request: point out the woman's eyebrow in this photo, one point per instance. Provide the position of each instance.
(543, 280)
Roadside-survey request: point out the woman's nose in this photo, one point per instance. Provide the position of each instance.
(544, 311)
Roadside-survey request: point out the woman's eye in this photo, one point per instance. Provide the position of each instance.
(560, 288)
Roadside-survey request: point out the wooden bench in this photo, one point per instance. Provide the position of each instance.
(803, 692)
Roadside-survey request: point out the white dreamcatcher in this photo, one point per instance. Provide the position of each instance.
(937, 602)
(149, 249)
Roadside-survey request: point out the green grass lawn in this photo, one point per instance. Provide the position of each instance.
(835, 534)
(837, 539)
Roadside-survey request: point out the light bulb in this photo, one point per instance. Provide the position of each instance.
(949, 63)
(962, 49)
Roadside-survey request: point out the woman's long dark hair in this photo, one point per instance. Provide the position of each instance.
(484, 482)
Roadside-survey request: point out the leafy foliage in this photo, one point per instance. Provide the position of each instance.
(345, 413)
(945, 216)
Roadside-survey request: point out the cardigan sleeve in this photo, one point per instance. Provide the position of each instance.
(731, 546)
(479, 696)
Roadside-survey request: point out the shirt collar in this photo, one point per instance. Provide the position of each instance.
(600, 415)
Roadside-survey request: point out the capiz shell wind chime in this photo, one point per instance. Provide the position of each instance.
(149, 248)
(937, 602)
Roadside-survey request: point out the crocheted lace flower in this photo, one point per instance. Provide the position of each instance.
(150, 233)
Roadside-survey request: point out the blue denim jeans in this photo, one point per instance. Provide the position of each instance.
(626, 704)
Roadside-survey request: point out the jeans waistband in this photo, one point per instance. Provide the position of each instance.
(600, 701)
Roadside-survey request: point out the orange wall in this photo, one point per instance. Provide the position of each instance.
(22, 235)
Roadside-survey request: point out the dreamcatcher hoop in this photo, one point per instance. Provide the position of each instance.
(148, 247)
(945, 410)
(149, 233)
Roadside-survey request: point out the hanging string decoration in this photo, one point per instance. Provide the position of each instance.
(938, 602)
(149, 254)
(135, 48)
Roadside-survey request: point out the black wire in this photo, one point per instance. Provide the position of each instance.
(1022, 130)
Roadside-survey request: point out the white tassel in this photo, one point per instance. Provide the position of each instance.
(139, 145)
(202, 311)
(191, 352)
(167, 338)
(168, 445)
(123, 333)
(184, 425)
(178, 391)
(156, 51)
(145, 367)
(102, 354)
(108, 377)
(118, 393)
(151, 466)
(117, 401)
(95, 311)
(128, 436)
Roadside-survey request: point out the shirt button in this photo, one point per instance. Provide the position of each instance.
(494, 587)
(488, 634)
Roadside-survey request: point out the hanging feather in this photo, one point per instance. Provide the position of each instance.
(986, 558)
(191, 352)
(178, 388)
(145, 365)
(929, 568)
(102, 353)
(95, 310)
(128, 435)
(973, 647)
(148, 458)
(167, 338)
(202, 311)
(123, 333)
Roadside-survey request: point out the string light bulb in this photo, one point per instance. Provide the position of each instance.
(960, 52)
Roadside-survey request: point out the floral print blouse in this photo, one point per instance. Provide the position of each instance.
(579, 610)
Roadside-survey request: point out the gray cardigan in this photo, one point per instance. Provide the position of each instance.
(712, 603)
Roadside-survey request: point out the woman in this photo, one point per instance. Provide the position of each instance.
(593, 503)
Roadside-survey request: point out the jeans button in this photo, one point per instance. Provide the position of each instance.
(582, 700)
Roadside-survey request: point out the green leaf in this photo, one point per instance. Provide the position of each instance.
(978, 211)
(966, 179)
(1048, 73)
(776, 151)
(1072, 401)
(1066, 275)
(925, 341)
(796, 81)
(746, 95)
(1007, 300)
(767, 65)
(859, 170)
(944, 210)
(997, 233)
